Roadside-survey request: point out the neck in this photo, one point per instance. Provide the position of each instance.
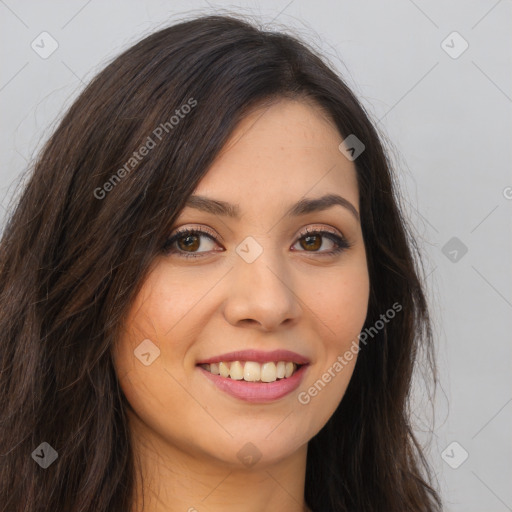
(181, 479)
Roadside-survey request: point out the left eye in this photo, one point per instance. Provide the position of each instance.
(188, 242)
(314, 240)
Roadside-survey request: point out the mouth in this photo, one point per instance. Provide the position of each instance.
(252, 371)
(256, 376)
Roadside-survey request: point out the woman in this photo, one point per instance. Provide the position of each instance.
(209, 294)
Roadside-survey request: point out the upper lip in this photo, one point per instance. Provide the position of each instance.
(258, 356)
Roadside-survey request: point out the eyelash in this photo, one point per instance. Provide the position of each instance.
(341, 244)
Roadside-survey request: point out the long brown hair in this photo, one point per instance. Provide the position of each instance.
(91, 219)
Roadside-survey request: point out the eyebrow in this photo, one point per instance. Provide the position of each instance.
(302, 207)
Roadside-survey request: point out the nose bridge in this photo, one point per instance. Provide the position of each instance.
(261, 287)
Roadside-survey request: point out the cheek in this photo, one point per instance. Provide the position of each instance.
(157, 323)
(154, 390)
(162, 409)
(342, 306)
(161, 310)
(171, 298)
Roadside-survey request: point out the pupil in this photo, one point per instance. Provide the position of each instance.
(192, 242)
(312, 241)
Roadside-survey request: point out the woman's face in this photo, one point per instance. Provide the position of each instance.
(265, 275)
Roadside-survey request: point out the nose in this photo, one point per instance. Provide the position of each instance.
(261, 294)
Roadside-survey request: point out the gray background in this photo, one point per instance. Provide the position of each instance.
(449, 120)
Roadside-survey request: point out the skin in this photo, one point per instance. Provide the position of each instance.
(185, 431)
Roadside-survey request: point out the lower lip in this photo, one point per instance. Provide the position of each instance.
(257, 391)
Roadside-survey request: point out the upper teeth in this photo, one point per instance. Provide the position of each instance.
(251, 371)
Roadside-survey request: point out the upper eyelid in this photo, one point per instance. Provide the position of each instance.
(208, 232)
(201, 229)
(329, 229)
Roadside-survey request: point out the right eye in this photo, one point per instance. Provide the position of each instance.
(186, 242)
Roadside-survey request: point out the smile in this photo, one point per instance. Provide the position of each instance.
(255, 376)
(252, 371)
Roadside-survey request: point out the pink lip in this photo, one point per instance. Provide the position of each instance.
(258, 356)
(257, 391)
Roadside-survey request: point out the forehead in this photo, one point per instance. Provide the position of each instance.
(279, 154)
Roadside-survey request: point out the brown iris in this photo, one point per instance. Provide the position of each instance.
(189, 242)
(313, 242)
